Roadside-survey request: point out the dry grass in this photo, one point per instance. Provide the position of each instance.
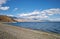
(4, 18)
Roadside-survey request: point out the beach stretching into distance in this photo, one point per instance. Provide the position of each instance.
(13, 32)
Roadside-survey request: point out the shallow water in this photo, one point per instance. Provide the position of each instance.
(44, 26)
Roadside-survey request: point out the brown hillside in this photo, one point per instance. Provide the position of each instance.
(4, 18)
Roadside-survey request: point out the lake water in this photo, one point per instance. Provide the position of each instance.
(44, 26)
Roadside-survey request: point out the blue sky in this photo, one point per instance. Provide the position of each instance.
(31, 9)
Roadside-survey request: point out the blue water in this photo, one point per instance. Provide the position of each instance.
(44, 26)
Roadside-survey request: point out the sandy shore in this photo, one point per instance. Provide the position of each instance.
(13, 32)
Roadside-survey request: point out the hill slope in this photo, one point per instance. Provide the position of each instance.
(4, 18)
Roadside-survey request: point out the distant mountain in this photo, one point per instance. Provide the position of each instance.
(19, 19)
(13, 17)
(4, 18)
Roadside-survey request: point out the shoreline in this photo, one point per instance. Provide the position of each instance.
(30, 28)
(23, 33)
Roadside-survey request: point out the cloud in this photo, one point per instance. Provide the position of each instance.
(52, 11)
(7, 14)
(30, 13)
(36, 14)
(15, 9)
(55, 19)
(10, 15)
(4, 8)
(3, 2)
(33, 15)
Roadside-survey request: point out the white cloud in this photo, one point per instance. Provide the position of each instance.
(44, 14)
(15, 9)
(55, 19)
(52, 11)
(3, 2)
(7, 14)
(31, 15)
(10, 15)
(4, 8)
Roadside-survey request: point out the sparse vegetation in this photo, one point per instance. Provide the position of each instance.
(6, 35)
(4, 18)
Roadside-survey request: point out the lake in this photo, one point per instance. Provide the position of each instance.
(44, 26)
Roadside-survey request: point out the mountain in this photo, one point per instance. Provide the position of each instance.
(13, 17)
(18, 19)
(4, 18)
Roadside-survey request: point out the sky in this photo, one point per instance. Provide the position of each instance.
(32, 10)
